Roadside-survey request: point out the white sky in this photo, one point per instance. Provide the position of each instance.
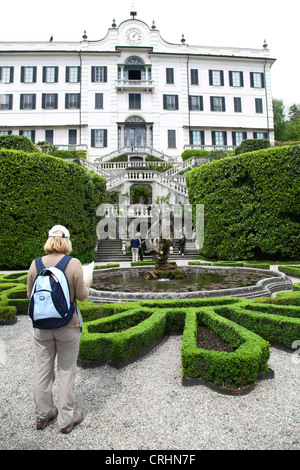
(213, 23)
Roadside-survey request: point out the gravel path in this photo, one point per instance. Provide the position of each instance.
(144, 406)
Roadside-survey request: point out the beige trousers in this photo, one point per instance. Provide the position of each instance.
(62, 343)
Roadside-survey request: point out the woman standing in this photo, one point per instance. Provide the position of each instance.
(62, 342)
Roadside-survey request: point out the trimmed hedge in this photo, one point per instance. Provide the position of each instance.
(122, 331)
(251, 205)
(39, 191)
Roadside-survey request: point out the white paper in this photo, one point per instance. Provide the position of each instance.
(88, 270)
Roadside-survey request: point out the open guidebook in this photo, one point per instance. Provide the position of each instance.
(88, 270)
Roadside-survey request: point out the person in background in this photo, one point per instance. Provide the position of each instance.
(135, 244)
(62, 342)
(181, 243)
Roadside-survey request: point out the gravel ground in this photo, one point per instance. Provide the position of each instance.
(144, 406)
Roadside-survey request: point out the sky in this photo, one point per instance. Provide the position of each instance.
(231, 23)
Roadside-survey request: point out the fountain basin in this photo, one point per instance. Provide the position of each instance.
(128, 285)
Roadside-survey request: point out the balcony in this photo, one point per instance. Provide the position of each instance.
(128, 85)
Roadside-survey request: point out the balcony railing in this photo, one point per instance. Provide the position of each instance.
(125, 84)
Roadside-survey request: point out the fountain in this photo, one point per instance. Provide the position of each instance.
(191, 281)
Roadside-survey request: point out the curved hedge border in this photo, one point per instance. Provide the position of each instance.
(121, 332)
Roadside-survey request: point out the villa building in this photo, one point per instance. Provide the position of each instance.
(135, 93)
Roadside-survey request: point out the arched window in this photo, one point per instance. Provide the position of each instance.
(134, 69)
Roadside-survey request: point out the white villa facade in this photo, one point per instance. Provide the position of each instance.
(133, 92)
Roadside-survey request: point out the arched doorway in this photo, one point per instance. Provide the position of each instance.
(135, 132)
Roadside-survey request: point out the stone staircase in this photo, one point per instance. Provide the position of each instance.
(110, 251)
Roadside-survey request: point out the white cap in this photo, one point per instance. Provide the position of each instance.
(65, 232)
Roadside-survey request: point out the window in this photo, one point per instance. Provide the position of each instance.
(219, 138)
(217, 103)
(98, 100)
(258, 105)
(236, 78)
(194, 77)
(216, 77)
(5, 132)
(73, 74)
(99, 74)
(197, 138)
(171, 139)
(237, 104)
(50, 74)
(29, 134)
(28, 74)
(260, 135)
(169, 75)
(49, 136)
(6, 74)
(99, 138)
(257, 80)
(72, 137)
(6, 102)
(238, 137)
(27, 101)
(72, 100)
(170, 102)
(134, 101)
(196, 103)
(49, 100)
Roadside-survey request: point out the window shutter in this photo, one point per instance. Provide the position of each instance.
(165, 101)
(223, 104)
(56, 74)
(20, 132)
(251, 80)
(93, 138)
(230, 78)
(202, 137)
(104, 137)
(222, 77)
(176, 102)
(34, 75)
(244, 135)
(44, 74)
(241, 79)
(67, 100)
(201, 103)
(55, 101)
(105, 74)
(191, 137)
(43, 100)
(11, 78)
(233, 139)
(33, 136)
(213, 136)
(22, 75)
(224, 137)
(79, 74)
(10, 102)
(212, 107)
(33, 101)
(210, 77)
(67, 74)
(21, 101)
(93, 74)
(263, 80)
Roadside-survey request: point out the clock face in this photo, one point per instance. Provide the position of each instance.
(134, 36)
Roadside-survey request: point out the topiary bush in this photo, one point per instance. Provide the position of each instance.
(249, 145)
(39, 191)
(251, 205)
(17, 142)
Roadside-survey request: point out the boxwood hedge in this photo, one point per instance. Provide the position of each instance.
(251, 204)
(120, 332)
(39, 191)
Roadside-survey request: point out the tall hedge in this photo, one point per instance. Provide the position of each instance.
(39, 191)
(251, 204)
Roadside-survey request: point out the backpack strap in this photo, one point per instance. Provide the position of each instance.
(39, 265)
(62, 264)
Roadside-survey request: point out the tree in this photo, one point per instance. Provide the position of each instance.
(279, 119)
(286, 125)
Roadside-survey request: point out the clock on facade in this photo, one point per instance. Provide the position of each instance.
(134, 36)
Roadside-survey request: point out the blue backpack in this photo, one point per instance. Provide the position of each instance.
(50, 305)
